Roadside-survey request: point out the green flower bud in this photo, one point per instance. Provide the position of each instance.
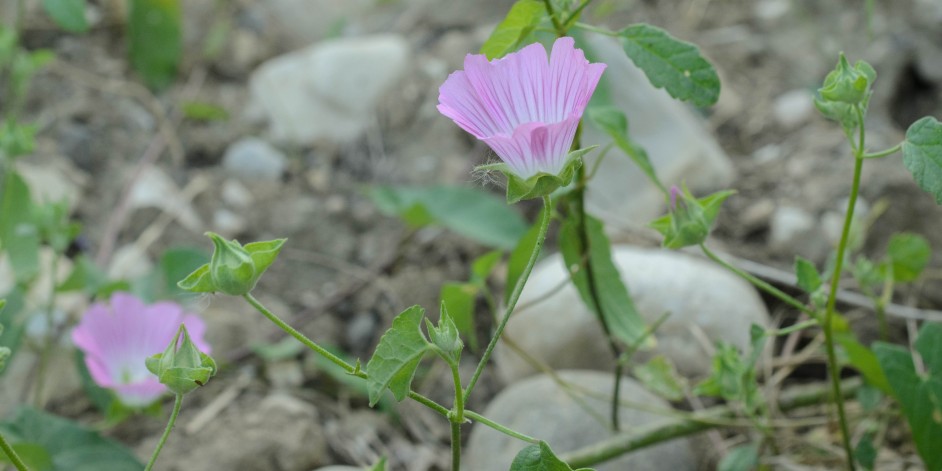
(848, 84)
(690, 220)
(445, 337)
(182, 367)
(233, 269)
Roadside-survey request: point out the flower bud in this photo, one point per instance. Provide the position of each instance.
(182, 367)
(445, 336)
(231, 268)
(848, 84)
(690, 220)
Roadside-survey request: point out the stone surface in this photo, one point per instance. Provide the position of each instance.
(702, 298)
(679, 146)
(253, 159)
(540, 408)
(793, 108)
(328, 91)
(794, 230)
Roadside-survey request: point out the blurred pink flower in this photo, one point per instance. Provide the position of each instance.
(117, 337)
(525, 108)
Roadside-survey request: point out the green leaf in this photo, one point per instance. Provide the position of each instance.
(380, 465)
(523, 17)
(482, 266)
(19, 235)
(16, 139)
(176, 264)
(540, 458)
(922, 155)
(659, 376)
(541, 184)
(613, 122)
(864, 361)
(459, 299)
(68, 14)
(519, 258)
(919, 395)
(203, 111)
(671, 64)
(908, 255)
(615, 306)
(809, 279)
(156, 39)
(397, 356)
(471, 212)
(741, 458)
(865, 453)
(69, 446)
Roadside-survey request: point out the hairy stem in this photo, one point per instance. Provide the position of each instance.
(514, 296)
(163, 438)
(455, 446)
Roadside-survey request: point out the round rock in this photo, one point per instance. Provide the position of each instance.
(539, 407)
(705, 302)
(253, 159)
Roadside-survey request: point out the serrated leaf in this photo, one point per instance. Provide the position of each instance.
(613, 122)
(669, 63)
(615, 306)
(68, 14)
(908, 256)
(520, 21)
(922, 155)
(809, 280)
(540, 458)
(397, 356)
(471, 212)
(155, 39)
(919, 395)
(659, 376)
(70, 447)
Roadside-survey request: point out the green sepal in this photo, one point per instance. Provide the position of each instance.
(445, 337)
(199, 281)
(264, 253)
(542, 183)
(690, 222)
(181, 367)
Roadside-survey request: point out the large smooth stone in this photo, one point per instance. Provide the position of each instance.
(701, 297)
(540, 408)
(328, 91)
(678, 145)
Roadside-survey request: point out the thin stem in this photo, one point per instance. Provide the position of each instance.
(560, 30)
(163, 439)
(459, 397)
(575, 14)
(514, 296)
(828, 328)
(793, 328)
(500, 428)
(11, 455)
(759, 283)
(884, 153)
(428, 403)
(455, 446)
(300, 337)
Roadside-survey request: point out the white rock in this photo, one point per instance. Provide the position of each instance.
(228, 223)
(53, 182)
(795, 231)
(129, 262)
(236, 194)
(679, 146)
(793, 108)
(253, 159)
(540, 408)
(329, 90)
(703, 300)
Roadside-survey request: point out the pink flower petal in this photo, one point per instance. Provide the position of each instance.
(525, 106)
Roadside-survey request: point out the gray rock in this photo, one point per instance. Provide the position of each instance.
(795, 231)
(253, 159)
(328, 91)
(539, 407)
(679, 146)
(702, 298)
(339, 468)
(793, 108)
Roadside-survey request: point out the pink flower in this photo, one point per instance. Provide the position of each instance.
(523, 107)
(117, 338)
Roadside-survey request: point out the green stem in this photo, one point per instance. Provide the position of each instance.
(833, 367)
(500, 428)
(11, 454)
(456, 417)
(793, 328)
(641, 437)
(455, 446)
(560, 30)
(514, 296)
(301, 337)
(884, 153)
(575, 14)
(781, 295)
(163, 439)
